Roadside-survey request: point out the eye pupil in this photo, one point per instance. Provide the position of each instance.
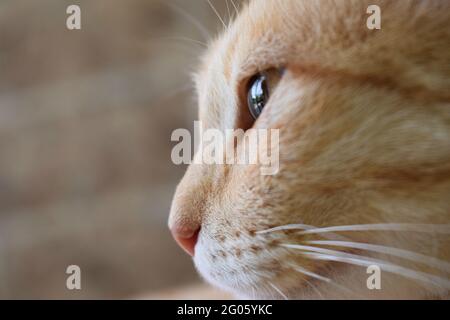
(258, 94)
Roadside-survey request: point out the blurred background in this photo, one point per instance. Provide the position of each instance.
(85, 122)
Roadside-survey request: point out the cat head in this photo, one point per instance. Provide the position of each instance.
(364, 144)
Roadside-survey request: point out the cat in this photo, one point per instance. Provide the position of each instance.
(363, 186)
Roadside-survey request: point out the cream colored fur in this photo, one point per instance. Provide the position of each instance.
(364, 119)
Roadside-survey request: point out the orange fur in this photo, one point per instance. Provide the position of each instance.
(364, 119)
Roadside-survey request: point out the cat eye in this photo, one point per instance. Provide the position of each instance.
(259, 89)
(257, 95)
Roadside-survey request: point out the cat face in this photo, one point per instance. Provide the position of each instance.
(364, 143)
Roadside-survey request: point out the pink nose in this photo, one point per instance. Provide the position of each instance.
(186, 239)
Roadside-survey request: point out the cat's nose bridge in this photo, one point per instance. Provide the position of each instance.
(189, 206)
(186, 216)
(184, 225)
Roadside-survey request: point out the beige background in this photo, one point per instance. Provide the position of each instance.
(85, 123)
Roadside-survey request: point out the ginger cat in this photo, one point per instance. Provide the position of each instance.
(363, 186)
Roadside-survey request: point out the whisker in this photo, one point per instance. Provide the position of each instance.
(311, 274)
(278, 290)
(217, 13)
(307, 229)
(315, 289)
(332, 255)
(181, 90)
(299, 226)
(196, 22)
(296, 226)
(235, 7)
(424, 228)
(322, 278)
(409, 255)
(229, 12)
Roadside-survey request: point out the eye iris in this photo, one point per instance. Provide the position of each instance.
(258, 95)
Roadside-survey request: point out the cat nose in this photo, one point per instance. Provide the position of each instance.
(186, 238)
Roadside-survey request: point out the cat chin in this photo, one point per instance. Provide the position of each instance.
(249, 287)
(218, 276)
(240, 284)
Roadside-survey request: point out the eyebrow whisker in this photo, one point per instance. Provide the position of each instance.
(195, 22)
(235, 7)
(217, 13)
